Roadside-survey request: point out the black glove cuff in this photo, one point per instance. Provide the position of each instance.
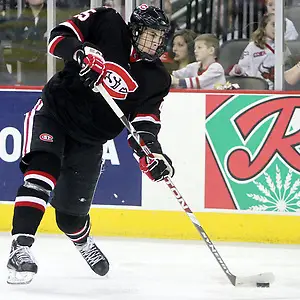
(79, 54)
(150, 141)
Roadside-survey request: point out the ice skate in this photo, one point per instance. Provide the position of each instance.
(93, 256)
(21, 263)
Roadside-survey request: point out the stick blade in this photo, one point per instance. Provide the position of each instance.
(254, 279)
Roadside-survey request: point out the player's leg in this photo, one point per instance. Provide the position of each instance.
(73, 197)
(41, 167)
(77, 229)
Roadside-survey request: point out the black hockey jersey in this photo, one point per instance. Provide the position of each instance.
(85, 114)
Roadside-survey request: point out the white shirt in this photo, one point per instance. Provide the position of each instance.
(290, 31)
(207, 79)
(258, 62)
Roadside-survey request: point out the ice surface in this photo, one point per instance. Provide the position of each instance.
(153, 269)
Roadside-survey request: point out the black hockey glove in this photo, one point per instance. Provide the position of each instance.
(92, 65)
(157, 166)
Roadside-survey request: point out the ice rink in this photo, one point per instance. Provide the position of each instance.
(153, 270)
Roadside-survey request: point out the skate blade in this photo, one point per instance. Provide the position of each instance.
(19, 277)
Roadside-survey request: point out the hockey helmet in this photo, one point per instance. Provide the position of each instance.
(145, 16)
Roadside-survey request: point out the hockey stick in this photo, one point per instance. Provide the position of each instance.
(263, 279)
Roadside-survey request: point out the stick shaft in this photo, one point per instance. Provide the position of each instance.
(169, 183)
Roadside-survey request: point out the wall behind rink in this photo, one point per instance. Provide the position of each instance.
(237, 165)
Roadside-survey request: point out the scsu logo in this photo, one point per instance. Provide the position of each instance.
(118, 81)
(10, 144)
(143, 6)
(46, 137)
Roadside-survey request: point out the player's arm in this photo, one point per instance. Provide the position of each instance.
(146, 120)
(69, 42)
(69, 36)
(147, 123)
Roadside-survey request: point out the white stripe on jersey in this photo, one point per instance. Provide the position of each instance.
(69, 25)
(28, 125)
(145, 118)
(52, 43)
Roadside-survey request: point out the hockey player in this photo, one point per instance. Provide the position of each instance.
(206, 72)
(65, 131)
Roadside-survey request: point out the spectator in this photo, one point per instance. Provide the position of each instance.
(258, 58)
(173, 24)
(206, 72)
(29, 43)
(109, 3)
(182, 49)
(290, 31)
(5, 77)
(166, 58)
(292, 76)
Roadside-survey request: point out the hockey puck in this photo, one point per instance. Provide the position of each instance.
(263, 285)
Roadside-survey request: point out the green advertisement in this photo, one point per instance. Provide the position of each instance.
(253, 152)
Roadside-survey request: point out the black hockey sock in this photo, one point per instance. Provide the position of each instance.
(30, 204)
(32, 197)
(77, 228)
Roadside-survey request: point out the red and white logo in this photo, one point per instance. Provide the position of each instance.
(143, 6)
(118, 82)
(46, 137)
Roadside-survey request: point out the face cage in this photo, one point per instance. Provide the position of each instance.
(136, 31)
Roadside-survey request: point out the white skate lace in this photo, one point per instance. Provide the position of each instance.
(90, 252)
(22, 254)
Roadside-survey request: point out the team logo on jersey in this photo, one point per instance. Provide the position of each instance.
(118, 81)
(143, 6)
(46, 137)
(260, 53)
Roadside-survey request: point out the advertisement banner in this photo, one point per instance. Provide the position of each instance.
(253, 152)
(120, 181)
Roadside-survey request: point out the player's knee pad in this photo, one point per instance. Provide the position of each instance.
(41, 171)
(40, 176)
(70, 224)
(41, 161)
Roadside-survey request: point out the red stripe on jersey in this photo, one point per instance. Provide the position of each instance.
(155, 117)
(30, 204)
(77, 30)
(191, 82)
(47, 175)
(56, 40)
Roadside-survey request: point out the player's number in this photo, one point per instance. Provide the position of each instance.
(85, 14)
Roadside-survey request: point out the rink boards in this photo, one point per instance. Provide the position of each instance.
(237, 166)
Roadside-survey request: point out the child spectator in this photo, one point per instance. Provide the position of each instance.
(290, 31)
(206, 72)
(258, 58)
